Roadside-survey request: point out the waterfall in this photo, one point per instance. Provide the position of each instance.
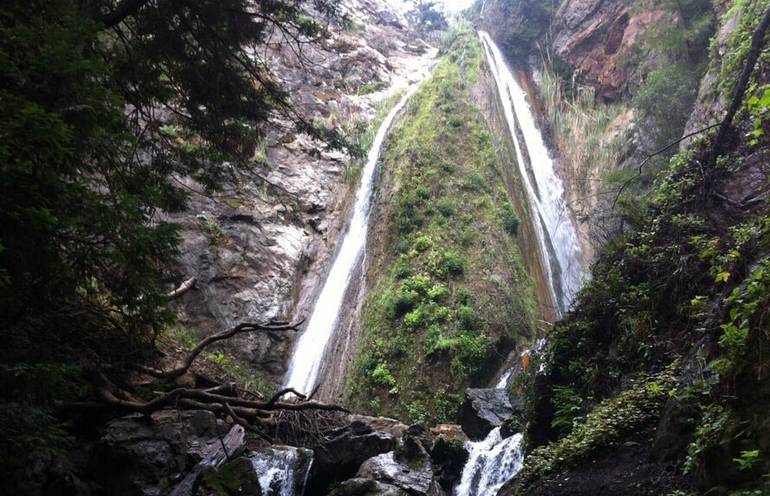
(553, 223)
(311, 346)
(491, 463)
(282, 470)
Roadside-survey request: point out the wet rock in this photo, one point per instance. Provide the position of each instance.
(236, 478)
(367, 487)
(340, 458)
(415, 477)
(448, 457)
(483, 410)
(282, 470)
(147, 456)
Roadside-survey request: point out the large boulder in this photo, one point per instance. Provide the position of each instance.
(448, 457)
(367, 487)
(413, 476)
(339, 458)
(235, 478)
(147, 456)
(483, 410)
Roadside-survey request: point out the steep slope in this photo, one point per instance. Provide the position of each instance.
(449, 296)
(260, 250)
(656, 382)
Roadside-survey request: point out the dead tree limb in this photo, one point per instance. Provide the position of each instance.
(757, 40)
(183, 288)
(234, 331)
(655, 154)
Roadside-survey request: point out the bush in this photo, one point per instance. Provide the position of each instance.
(422, 243)
(509, 218)
(382, 377)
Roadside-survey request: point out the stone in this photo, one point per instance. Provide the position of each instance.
(339, 458)
(416, 477)
(236, 478)
(366, 487)
(483, 410)
(448, 457)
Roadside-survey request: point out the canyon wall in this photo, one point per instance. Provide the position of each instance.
(260, 249)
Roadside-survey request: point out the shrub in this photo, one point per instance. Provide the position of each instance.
(509, 218)
(422, 243)
(382, 377)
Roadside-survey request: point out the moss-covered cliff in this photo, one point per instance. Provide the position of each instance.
(449, 296)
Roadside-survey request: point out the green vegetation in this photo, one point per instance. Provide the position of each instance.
(103, 105)
(451, 294)
(635, 408)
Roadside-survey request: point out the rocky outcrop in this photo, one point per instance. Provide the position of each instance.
(412, 476)
(148, 456)
(594, 37)
(260, 249)
(483, 410)
(367, 487)
(340, 457)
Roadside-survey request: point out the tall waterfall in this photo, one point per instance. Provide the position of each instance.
(553, 223)
(311, 346)
(495, 460)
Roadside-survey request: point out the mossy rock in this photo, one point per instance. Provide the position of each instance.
(234, 478)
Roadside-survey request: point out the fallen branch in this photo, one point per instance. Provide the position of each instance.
(183, 288)
(757, 40)
(654, 154)
(239, 329)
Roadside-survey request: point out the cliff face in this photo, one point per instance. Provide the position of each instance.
(260, 249)
(594, 37)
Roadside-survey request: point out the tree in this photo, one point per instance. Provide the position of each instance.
(426, 17)
(102, 105)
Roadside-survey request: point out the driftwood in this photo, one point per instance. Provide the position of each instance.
(183, 288)
(187, 362)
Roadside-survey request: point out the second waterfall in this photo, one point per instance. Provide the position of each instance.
(312, 345)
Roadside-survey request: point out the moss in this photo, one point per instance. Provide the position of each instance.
(633, 409)
(450, 294)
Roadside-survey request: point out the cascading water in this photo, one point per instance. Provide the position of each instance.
(491, 463)
(495, 460)
(311, 347)
(554, 226)
(282, 470)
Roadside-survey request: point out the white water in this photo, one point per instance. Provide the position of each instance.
(492, 463)
(282, 470)
(311, 346)
(554, 225)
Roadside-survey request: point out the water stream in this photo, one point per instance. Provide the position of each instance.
(555, 229)
(495, 460)
(311, 346)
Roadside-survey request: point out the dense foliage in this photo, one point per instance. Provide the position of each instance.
(104, 107)
(687, 285)
(450, 295)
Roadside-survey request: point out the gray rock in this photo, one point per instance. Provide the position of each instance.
(483, 410)
(415, 477)
(340, 458)
(367, 487)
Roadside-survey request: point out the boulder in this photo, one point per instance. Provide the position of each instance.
(236, 478)
(147, 456)
(367, 487)
(415, 476)
(483, 410)
(448, 457)
(339, 458)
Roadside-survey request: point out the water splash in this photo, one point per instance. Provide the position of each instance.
(491, 463)
(554, 226)
(311, 346)
(282, 470)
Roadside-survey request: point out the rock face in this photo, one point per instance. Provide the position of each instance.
(483, 410)
(415, 477)
(594, 36)
(367, 487)
(260, 249)
(340, 458)
(138, 456)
